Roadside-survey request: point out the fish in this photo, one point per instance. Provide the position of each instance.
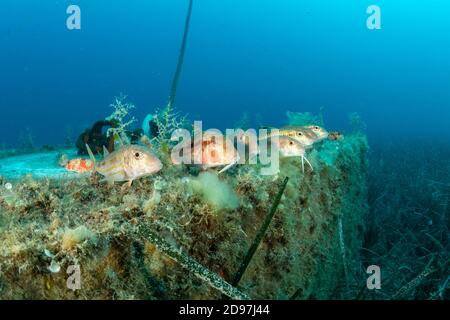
(319, 131)
(290, 147)
(215, 152)
(80, 165)
(303, 135)
(126, 164)
(335, 136)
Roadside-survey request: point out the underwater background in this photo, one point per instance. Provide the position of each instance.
(261, 57)
(253, 60)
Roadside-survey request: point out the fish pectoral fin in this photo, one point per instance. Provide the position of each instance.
(110, 182)
(229, 166)
(226, 168)
(127, 185)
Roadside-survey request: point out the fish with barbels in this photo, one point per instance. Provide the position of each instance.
(306, 135)
(79, 165)
(126, 164)
(289, 147)
(211, 151)
(320, 132)
(215, 150)
(335, 136)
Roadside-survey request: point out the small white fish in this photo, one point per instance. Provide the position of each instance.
(290, 147)
(319, 131)
(301, 134)
(127, 163)
(335, 136)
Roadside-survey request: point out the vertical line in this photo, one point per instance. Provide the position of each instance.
(173, 90)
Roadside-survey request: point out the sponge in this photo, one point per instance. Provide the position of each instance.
(215, 192)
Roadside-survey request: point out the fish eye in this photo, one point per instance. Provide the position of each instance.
(299, 133)
(291, 143)
(137, 155)
(316, 127)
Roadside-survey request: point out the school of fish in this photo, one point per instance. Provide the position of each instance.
(130, 162)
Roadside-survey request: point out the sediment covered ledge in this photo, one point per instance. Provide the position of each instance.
(183, 235)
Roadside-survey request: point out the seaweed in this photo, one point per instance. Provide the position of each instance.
(178, 230)
(259, 235)
(407, 231)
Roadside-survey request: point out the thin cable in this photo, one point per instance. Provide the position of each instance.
(173, 90)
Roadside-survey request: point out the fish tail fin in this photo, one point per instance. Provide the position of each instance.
(91, 155)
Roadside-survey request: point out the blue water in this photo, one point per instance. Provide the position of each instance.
(259, 56)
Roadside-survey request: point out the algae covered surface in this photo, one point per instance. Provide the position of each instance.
(118, 237)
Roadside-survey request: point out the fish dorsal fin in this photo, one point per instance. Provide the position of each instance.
(105, 152)
(91, 155)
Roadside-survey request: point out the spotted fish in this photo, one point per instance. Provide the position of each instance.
(216, 151)
(79, 165)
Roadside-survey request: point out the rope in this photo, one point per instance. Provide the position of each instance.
(173, 90)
